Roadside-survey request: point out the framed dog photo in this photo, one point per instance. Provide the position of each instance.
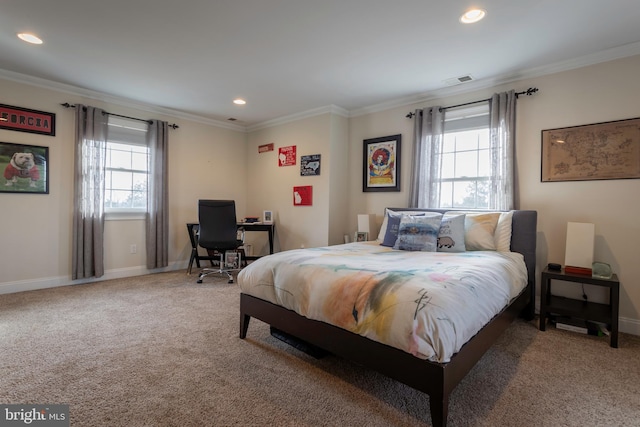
(25, 168)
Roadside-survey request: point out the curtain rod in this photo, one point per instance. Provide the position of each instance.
(527, 92)
(172, 126)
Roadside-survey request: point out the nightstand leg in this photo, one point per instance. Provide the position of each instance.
(544, 290)
(614, 300)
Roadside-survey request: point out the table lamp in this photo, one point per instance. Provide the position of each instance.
(367, 224)
(578, 257)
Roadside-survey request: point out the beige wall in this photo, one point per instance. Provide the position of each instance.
(209, 161)
(204, 162)
(603, 92)
(270, 186)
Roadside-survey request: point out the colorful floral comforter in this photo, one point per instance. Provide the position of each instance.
(426, 303)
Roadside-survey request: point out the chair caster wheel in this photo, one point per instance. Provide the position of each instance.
(230, 281)
(199, 281)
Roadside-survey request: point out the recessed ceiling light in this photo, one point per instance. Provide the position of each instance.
(471, 16)
(29, 38)
(239, 101)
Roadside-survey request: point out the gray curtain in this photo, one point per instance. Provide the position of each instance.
(88, 213)
(157, 236)
(502, 148)
(428, 128)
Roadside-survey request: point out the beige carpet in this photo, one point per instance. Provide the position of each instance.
(161, 350)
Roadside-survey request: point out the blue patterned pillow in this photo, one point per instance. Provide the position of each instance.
(419, 233)
(451, 234)
(393, 223)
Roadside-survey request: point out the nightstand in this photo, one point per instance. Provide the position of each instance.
(585, 310)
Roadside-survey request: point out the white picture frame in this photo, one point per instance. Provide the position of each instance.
(361, 236)
(267, 217)
(232, 259)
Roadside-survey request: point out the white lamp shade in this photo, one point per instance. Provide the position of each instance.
(580, 243)
(367, 224)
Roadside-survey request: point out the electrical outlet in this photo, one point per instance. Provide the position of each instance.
(133, 248)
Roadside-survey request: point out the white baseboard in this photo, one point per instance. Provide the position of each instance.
(53, 282)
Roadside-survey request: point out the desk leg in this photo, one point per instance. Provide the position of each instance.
(191, 259)
(271, 240)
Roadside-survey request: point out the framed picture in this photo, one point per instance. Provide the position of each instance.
(303, 195)
(609, 150)
(231, 259)
(310, 165)
(26, 120)
(361, 236)
(381, 164)
(25, 168)
(287, 156)
(267, 217)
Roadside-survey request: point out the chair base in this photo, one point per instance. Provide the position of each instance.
(207, 271)
(222, 262)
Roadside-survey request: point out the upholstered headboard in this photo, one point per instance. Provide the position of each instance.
(523, 240)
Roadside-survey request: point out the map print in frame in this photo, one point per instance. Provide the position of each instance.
(609, 150)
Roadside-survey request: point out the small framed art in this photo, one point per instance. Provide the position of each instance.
(361, 236)
(310, 165)
(231, 259)
(267, 217)
(303, 195)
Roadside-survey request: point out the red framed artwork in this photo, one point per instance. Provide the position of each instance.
(26, 120)
(303, 196)
(287, 156)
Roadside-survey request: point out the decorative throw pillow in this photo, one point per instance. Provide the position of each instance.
(385, 220)
(502, 236)
(418, 233)
(451, 234)
(393, 223)
(479, 231)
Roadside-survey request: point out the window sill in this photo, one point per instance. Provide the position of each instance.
(124, 216)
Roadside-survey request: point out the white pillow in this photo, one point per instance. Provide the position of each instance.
(502, 237)
(451, 234)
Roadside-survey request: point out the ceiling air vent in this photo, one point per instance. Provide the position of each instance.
(458, 80)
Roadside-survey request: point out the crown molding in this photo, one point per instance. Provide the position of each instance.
(612, 54)
(329, 109)
(115, 100)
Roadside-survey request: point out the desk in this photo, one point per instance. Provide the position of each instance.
(192, 228)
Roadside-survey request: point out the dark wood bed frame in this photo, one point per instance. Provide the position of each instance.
(435, 379)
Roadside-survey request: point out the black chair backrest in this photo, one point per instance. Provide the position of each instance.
(218, 226)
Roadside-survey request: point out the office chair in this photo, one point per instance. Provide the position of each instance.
(218, 233)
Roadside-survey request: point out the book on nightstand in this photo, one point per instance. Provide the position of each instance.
(581, 326)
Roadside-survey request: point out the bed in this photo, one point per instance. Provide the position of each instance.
(302, 292)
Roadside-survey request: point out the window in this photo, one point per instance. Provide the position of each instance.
(466, 164)
(127, 166)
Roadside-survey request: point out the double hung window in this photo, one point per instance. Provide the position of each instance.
(127, 167)
(465, 161)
